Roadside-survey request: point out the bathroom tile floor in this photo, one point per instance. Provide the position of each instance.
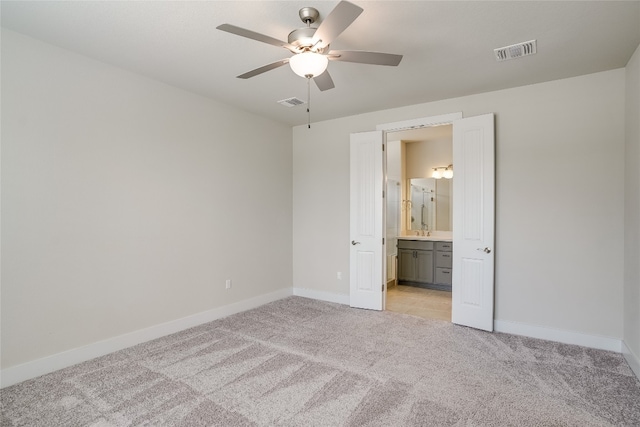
(427, 303)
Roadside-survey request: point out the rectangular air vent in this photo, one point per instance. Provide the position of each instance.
(291, 102)
(515, 51)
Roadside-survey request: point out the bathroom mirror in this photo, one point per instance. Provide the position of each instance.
(430, 207)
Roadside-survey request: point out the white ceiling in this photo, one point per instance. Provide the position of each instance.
(447, 47)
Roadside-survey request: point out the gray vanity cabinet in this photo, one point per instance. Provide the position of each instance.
(425, 263)
(415, 261)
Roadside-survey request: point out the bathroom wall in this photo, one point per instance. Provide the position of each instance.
(421, 157)
(394, 200)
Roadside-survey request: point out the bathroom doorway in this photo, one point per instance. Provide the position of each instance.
(419, 217)
(425, 303)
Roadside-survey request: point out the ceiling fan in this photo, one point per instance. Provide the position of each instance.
(310, 45)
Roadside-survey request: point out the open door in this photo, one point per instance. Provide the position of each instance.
(367, 276)
(474, 222)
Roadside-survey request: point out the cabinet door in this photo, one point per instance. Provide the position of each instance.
(424, 266)
(406, 264)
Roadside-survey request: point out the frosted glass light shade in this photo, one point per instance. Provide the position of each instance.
(448, 173)
(436, 174)
(308, 64)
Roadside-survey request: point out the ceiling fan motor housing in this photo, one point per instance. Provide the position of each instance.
(309, 15)
(302, 37)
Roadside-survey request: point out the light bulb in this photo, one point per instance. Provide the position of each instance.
(308, 64)
(436, 174)
(448, 173)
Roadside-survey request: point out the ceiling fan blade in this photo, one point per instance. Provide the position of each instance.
(336, 22)
(256, 36)
(264, 69)
(364, 57)
(324, 81)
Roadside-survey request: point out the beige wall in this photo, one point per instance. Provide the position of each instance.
(126, 203)
(423, 156)
(559, 196)
(632, 211)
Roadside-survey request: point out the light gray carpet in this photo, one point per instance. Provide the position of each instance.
(300, 362)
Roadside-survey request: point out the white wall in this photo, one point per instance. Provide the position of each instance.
(559, 195)
(632, 214)
(126, 203)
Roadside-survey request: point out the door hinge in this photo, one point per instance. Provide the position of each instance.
(383, 194)
(383, 287)
(383, 240)
(382, 147)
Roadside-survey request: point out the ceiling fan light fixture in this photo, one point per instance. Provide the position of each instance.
(308, 64)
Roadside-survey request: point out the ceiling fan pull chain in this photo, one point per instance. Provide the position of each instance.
(308, 102)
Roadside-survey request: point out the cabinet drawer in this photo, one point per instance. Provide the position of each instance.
(444, 246)
(443, 259)
(415, 244)
(443, 275)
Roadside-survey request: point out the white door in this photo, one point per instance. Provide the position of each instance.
(473, 222)
(367, 277)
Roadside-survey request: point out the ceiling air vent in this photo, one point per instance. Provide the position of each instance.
(291, 102)
(515, 51)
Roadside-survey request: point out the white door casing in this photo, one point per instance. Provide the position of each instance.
(367, 222)
(474, 222)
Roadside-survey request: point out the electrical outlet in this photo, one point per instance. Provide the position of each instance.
(228, 284)
(339, 275)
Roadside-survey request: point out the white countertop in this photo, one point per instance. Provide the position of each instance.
(428, 238)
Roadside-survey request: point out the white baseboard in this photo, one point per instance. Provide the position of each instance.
(322, 296)
(35, 368)
(632, 359)
(558, 335)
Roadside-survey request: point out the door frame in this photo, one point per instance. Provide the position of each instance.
(412, 124)
(423, 122)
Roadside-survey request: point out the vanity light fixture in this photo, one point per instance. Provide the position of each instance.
(446, 172)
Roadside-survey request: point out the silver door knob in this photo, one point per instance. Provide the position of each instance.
(353, 242)
(485, 250)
